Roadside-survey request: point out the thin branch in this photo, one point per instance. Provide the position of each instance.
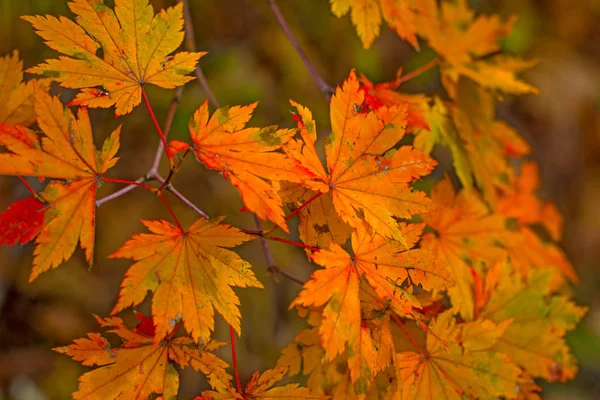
(234, 358)
(119, 193)
(276, 271)
(181, 197)
(163, 139)
(150, 189)
(326, 89)
(167, 128)
(418, 71)
(190, 44)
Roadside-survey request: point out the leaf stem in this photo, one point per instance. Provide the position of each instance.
(296, 211)
(234, 358)
(181, 197)
(326, 89)
(118, 193)
(35, 194)
(422, 69)
(412, 340)
(151, 189)
(167, 128)
(158, 129)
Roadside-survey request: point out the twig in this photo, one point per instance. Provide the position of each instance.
(326, 89)
(276, 271)
(234, 358)
(418, 71)
(181, 197)
(151, 189)
(119, 193)
(190, 44)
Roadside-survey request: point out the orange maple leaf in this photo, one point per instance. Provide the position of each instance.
(141, 368)
(190, 273)
(367, 179)
(386, 267)
(259, 387)
(246, 156)
(136, 47)
(65, 152)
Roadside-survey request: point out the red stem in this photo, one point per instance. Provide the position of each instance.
(279, 239)
(151, 189)
(234, 357)
(412, 340)
(158, 129)
(296, 211)
(418, 71)
(33, 192)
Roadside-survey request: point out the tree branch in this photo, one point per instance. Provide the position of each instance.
(326, 89)
(190, 44)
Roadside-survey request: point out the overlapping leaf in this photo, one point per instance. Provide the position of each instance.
(245, 156)
(141, 368)
(386, 266)
(367, 15)
(191, 274)
(66, 151)
(466, 235)
(466, 366)
(259, 387)
(16, 97)
(367, 179)
(135, 44)
(535, 339)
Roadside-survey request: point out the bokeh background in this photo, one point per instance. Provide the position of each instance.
(251, 60)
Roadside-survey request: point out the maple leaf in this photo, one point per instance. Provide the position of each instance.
(259, 387)
(465, 366)
(535, 339)
(190, 274)
(367, 15)
(460, 39)
(383, 265)
(16, 97)
(246, 156)
(367, 179)
(141, 368)
(466, 234)
(22, 221)
(136, 47)
(66, 152)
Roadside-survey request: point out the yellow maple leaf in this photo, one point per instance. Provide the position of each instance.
(466, 366)
(367, 15)
(16, 97)
(141, 367)
(259, 387)
(66, 151)
(535, 339)
(136, 47)
(190, 273)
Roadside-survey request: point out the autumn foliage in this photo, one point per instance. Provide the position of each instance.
(450, 288)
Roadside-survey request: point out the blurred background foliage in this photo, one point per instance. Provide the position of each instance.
(251, 60)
